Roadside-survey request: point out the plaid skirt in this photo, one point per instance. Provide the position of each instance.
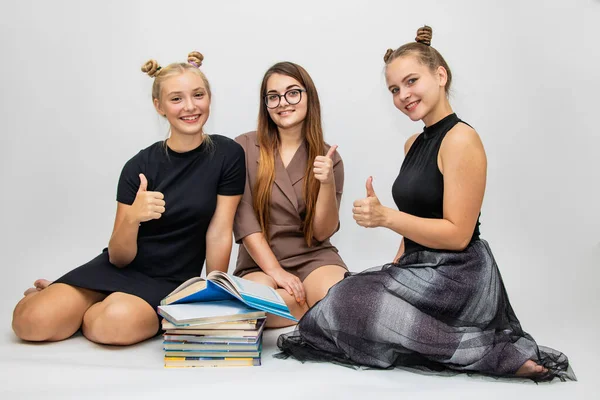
(433, 310)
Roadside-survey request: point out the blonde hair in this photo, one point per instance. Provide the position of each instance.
(160, 74)
(421, 48)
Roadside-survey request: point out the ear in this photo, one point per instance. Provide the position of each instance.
(442, 75)
(158, 108)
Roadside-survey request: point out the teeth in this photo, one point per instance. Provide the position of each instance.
(411, 105)
(189, 118)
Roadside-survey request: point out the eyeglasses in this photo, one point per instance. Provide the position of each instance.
(292, 96)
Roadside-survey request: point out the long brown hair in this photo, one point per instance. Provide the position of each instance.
(269, 141)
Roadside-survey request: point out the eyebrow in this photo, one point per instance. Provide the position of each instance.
(193, 90)
(287, 88)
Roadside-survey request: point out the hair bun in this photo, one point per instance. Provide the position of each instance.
(387, 55)
(424, 35)
(151, 67)
(195, 58)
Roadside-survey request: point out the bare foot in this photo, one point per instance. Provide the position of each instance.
(531, 369)
(39, 285)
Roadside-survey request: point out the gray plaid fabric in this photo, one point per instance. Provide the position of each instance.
(433, 310)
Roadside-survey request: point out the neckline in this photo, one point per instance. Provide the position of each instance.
(433, 130)
(185, 154)
(296, 154)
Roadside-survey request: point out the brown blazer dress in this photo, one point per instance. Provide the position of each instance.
(287, 210)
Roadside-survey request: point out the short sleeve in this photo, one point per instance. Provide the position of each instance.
(338, 176)
(245, 222)
(233, 172)
(129, 181)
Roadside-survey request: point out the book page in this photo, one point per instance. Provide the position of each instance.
(257, 290)
(186, 284)
(224, 280)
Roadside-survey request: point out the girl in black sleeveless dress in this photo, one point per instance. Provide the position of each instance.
(441, 305)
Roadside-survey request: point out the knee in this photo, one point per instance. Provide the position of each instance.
(30, 322)
(318, 292)
(115, 324)
(109, 325)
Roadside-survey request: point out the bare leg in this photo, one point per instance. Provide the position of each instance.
(121, 319)
(318, 282)
(52, 313)
(297, 310)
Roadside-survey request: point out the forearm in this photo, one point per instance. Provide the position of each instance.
(430, 232)
(218, 251)
(122, 247)
(326, 217)
(261, 253)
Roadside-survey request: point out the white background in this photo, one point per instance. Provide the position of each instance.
(75, 107)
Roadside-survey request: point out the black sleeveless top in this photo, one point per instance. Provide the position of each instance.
(419, 187)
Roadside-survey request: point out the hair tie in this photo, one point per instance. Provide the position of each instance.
(195, 58)
(152, 68)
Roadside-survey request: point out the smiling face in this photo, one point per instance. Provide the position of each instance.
(287, 115)
(185, 102)
(417, 90)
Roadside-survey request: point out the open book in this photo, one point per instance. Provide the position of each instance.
(221, 286)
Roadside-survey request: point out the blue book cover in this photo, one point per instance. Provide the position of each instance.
(221, 286)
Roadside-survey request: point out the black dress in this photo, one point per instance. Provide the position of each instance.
(171, 249)
(434, 310)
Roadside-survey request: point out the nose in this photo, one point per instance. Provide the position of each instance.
(188, 104)
(405, 96)
(281, 100)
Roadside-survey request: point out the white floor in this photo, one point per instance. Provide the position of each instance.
(559, 310)
(78, 369)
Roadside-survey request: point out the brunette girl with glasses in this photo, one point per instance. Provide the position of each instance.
(293, 191)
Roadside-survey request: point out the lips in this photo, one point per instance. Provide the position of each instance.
(285, 113)
(190, 119)
(411, 106)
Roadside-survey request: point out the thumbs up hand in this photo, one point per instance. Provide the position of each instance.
(143, 183)
(323, 167)
(369, 212)
(147, 205)
(369, 186)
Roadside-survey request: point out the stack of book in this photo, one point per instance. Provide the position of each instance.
(217, 321)
(216, 341)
